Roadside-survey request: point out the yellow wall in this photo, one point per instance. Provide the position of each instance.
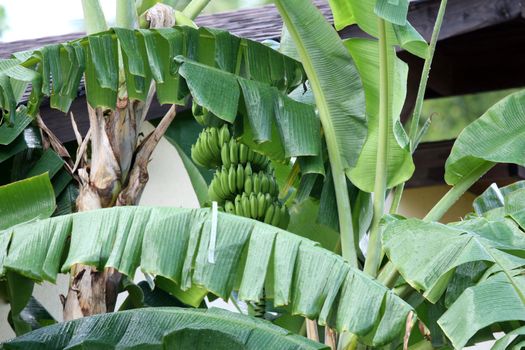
(416, 202)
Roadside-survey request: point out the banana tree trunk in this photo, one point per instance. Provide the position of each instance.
(115, 175)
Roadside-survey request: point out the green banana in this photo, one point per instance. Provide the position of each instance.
(238, 206)
(265, 184)
(276, 218)
(229, 207)
(240, 177)
(225, 155)
(224, 135)
(234, 151)
(269, 214)
(253, 206)
(224, 181)
(261, 205)
(245, 201)
(248, 183)
(243, 153)
(256, 183)
(248, 170)
(232, 177)
(251, 154)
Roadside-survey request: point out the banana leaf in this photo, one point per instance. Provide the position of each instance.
(430, 255)
(365, 13)
(333, 78)
(215, 68)
(26, 200)
(496, 136)
(247, 256)
(164, 328)
(400, 166)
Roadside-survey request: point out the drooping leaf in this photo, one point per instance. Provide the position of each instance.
(248, 255)
(26, 200)
(165, 328)
(496, 136)
(220, 93)
(363, 13)
(400, 166)
(149, 56)
(333, 78)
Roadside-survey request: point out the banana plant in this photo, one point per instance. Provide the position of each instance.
(326, 120)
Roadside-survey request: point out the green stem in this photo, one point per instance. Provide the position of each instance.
(457, 191)
(194, 8)
(398, 193)
(373, 256)
(126, 14)
(414, 125)
(416, 116)
(94, 19)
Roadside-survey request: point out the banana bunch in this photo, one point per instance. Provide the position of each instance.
(228, 181)
(215, 146)
(244, 181)
(259, 206)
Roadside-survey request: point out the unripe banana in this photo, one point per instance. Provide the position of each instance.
(238, 206)
(232, 183)
(212, 194)
(248, 170)
(261, 205)
(229, 207)
(225, 155)
(195, 155)
(265, 184)
(213, 143)
(243, 153)
(253, 206)
(224, 135)
(248, 184)
(245, 201)
(276, 216)
(269, 214)
(273, 190)
(224, 182)
(240, 177)
(256, 183)
(234, 151)
(251, 154)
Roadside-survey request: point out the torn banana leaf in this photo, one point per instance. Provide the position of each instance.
(247, 256)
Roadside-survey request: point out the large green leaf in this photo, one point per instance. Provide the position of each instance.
(55, 70)
(218, 68)
(177, 244)
(221, 93)
(497, 136)
(164, 328)
(429, 254)
(363, 13)
(399, 159)
(333, 77)
(26, 200)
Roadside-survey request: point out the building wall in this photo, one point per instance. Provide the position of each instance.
(169, 185)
